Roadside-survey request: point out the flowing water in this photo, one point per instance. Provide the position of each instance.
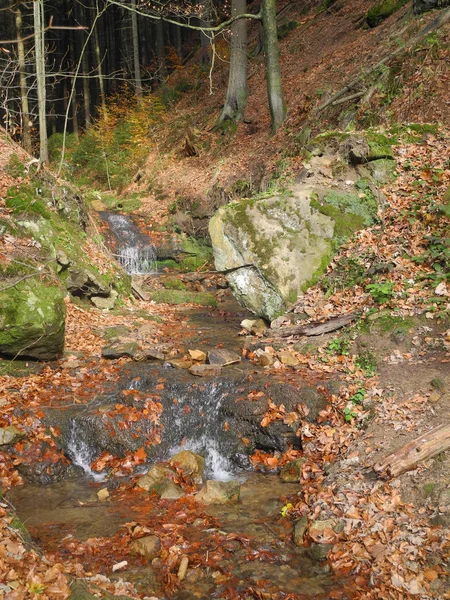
(135, 252)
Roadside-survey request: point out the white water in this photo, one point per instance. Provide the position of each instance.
(79, 452)
(136, 255)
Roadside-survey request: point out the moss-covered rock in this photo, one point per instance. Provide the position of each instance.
(32, 319)
(382, 11)
(183, 297)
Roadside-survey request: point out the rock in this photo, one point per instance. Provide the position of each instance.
(265, 359)
(223, 357)
(421, 6)
(219, 492)
(191, 464)
(206, 370)
(154, 352)
(299, 531)
(159, 480)
(382, 170)
(287, 358)
(114, 332)
(105, 303)
(320, 529)
(181, 363)
(119, 349)
(248, 237)
(319, 551)
(10, 435)
(149, 546)
(84, 282)
(103, 494)
(255, 326)
(444, 498)
(183, 567)
(32, 320)
(198, 355)
(292, 472)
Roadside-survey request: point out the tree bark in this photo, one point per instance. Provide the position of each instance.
(137, 65)
(26, 130)
(161, 50)
(38, 13)
(86, 85)
(237, 92)
(205, 40)
(277, 105)
(101, 83)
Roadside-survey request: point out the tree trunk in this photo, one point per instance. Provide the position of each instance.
(26, 130)
(38, 13)
(205, 39)
(273, 73)
(86, 82)
(137, 65)
(160, 50)
(237, 92)
(101, 83)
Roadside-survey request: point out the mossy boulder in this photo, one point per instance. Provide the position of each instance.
(272, 250)
(32, 319)
(382, 11)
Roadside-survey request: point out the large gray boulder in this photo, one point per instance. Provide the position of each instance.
(271, 249)
(32, 320)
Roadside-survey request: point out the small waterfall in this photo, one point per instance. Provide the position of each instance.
(79, 451)
(136, 255)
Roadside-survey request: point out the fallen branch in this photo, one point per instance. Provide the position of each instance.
(434, 25)
(426, 446)
(313, 329)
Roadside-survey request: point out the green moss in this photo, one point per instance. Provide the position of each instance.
(129, 204)
(382, 11)
(183, 297)
(393, 324)
(27, 199)
(19, 526)
(173, 283)
(167, 263)
(380, 145)
(15, 167)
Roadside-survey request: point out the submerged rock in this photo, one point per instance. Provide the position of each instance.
(119, 349)
(205, 370)
(223, 357)
(159, 480)
(219, 492)
(300, 528)
(292, 472)
(32, 320)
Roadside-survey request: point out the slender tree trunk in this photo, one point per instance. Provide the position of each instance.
(160, 50)
(101, 83)
(178, 41)
(38, 13)
(85, 67)
(237, 92)
(26, 137)
(273, 73)
(137, 65)
(205, 39)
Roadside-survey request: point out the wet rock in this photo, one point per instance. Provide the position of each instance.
(149, 546)
(159, 480)
(39, 469)
(180, 363)
(292, 472)
(103, 494)
(205, 370)
(105, 302)
(10, 435)
(198, 355)
(156, 352)
(32, 320)
(318, 551)
(320, 529)
(219, 492)
(223, 357)
(191, 464)
(299, 531)
(119, 349)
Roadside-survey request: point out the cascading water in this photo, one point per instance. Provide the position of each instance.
(135, 252)
(79, 451)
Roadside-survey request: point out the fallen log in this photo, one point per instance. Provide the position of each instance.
(426, 446)
(313, 329)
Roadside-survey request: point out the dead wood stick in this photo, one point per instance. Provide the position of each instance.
(426, 446)
(313, 328)
(351, 97)
(435, 24)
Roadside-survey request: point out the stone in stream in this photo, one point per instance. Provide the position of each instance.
(219, 492)
(223, 357)
(198, 355)
(205, 370)
(159, 480)
(190, 463)
(325, 529)
(180, 363)
(85, 282)
(319, 551)
(299, 530)
(292, 471)
(10, 435)
(255, 326)
(149, 546)
(119, 349)
(265, 359)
